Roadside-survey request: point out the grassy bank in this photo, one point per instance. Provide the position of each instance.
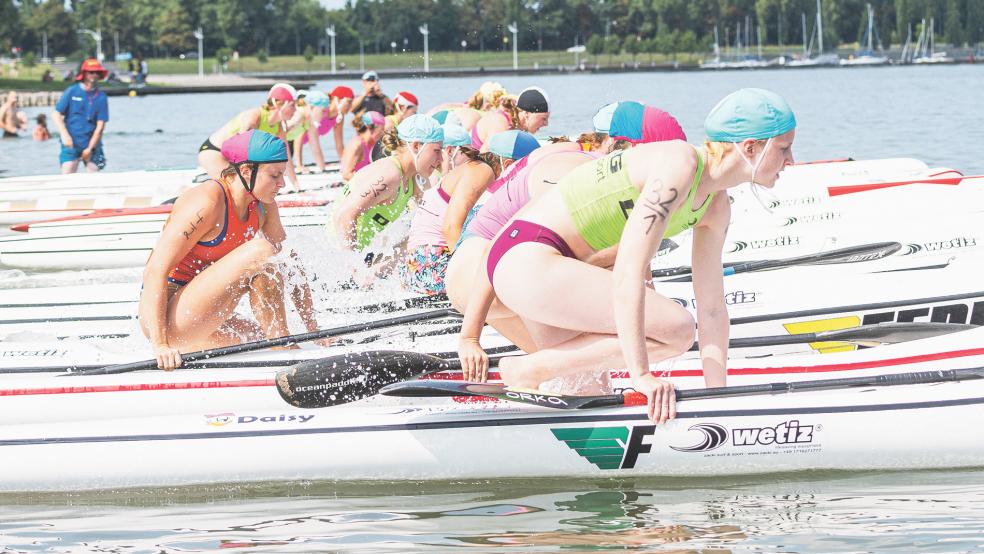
(410, 61)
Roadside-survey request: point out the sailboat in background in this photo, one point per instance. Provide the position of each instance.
(821, 59)
(926, 49)
(867, 56)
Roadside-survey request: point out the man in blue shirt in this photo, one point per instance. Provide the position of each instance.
(81, 115)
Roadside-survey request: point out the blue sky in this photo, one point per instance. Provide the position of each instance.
(333, 4)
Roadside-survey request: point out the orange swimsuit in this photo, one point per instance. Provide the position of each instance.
(234, 233)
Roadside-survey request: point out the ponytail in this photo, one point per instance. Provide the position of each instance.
(508, 104)
(391, 142)
(476, 101)
(488, 158)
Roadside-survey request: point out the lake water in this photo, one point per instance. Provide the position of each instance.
(931, 113)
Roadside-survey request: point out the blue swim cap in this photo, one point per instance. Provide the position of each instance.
(441, 116)
(317, 99)
(455, 135)
(420, 128)
(513, 144)
(254, 146)
(749, 113)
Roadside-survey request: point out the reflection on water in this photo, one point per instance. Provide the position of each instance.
(885, 512)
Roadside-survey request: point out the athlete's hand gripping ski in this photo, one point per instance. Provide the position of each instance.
(661, 396)
(168, 357)
(474, 360)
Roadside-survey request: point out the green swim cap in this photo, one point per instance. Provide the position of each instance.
(749, 113)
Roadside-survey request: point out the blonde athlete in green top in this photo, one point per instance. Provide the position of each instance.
(379, 193)
(587, 319)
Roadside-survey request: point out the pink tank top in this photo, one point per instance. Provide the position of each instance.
(477, 142)
(510, 171)
(324, 127)
(427, 227)
(366, 156)
(508, 199)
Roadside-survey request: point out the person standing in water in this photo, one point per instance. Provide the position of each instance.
(81, 115)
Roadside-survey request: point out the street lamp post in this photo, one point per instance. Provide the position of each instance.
(200, 35)
(424, 31)
(330, 31)
(96, 36)
(514, 29)
(393, 47)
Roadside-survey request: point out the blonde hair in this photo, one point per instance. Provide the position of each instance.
(391, 142)
(487, 96)
(716, 151)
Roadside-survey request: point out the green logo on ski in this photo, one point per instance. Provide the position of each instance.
(602, 446)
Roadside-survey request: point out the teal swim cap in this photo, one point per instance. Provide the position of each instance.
(455, 135)
(749, 113)
(420, 128)
(317, 99)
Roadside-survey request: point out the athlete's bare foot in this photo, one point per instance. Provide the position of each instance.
(514, 373)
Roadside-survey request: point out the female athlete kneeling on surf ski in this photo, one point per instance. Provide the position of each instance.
(379, 194)
(216, 246)
(440, 217)
(369, 128)
(329, 118)
(530, 112)
(617, 126)
(313, 108)
(271, 117)
(467, 114)
(587, 319)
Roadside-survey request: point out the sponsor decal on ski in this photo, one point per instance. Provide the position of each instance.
(954, 312)
(46, 353)
(229, 418)
(939, 246)
(776, 242)
(621, 447)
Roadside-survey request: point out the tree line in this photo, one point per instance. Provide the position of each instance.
(278, 27)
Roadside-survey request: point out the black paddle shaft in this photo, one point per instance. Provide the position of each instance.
(282, 341)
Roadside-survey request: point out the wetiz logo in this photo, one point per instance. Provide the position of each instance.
(789, 432)
(936, 246)
(714, 436)
(776, 242)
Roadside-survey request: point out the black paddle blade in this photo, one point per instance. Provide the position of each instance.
(349, 377)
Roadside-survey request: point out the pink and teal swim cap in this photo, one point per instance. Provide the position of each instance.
(254, 146)
(640, 124)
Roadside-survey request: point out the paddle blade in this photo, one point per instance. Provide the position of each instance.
(349, 377)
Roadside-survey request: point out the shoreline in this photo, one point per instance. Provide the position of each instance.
(260, 81)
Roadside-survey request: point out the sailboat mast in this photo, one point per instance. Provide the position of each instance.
(870, 27)
(717, 49)
(819, 28)
(805, 54)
